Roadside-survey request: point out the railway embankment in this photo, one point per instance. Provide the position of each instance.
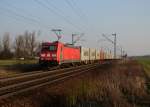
(120, 84)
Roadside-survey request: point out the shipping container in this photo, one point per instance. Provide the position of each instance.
(97, 54)
(85, 54)
(92, 54)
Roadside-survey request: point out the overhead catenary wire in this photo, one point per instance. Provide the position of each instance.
(73, 8)
(58, 14)
(15, 11)
(60, 11)
(78, 12)
(24, 17)
(16, 19)
(37, 18)
(83, 15)
(117, 47)
(79, 9)
(55, 7)
(21, 9)
(28, 16)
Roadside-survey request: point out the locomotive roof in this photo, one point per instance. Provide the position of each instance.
(72, 46)
(65, 44)
(49, 43)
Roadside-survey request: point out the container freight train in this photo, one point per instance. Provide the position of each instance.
(57, 53)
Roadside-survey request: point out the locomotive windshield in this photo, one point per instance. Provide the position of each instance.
(52, 48)
(49, 48)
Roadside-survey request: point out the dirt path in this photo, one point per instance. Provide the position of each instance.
(118, 85)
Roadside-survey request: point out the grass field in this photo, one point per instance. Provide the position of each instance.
(16, 62)
(145, 61)
(11, 67)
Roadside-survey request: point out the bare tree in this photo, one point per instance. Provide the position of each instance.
(0, 45)
(32, 43)
(19, 46)
(38, 48)
(6, 42)
(6, 51)
(26, 43)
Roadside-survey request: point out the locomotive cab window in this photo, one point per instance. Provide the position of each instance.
(52, 48)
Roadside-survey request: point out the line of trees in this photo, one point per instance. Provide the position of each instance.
(23, 46)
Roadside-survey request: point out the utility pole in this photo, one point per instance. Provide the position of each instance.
(121, 52)
(78, 39)
(58, 33)
(115, 43)
(73, 38)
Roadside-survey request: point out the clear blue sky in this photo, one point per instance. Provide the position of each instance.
(130, 19)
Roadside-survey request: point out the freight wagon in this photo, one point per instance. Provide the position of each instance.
(85, 55)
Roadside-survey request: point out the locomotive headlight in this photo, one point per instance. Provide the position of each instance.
(42, 55)
(48, 55)
(53, 55)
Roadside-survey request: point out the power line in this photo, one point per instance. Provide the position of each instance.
(23, 17)
(10, 16)
(116, 46)
(56, 13)
(33, 18)
(77, 10)
(58, 10)
(78, 13)
(108, 38)
(16, 8)
(114, 42)
(72, 7)
(51, 5)
(82, 14)
(80, 10)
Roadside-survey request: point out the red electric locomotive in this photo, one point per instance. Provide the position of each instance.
(56, 53)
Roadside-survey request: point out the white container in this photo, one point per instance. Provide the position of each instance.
(85, 54)
(92, 54)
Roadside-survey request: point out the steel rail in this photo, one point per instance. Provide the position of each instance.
(21, 78)
(28, 73)
(14, 89)
(34, 81)
(40, 71)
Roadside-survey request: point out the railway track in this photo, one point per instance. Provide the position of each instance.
(30, 73)
(28, 81)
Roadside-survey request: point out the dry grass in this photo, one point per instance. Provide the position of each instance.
(118, 85)
(5, 73)
(10, 67)
(146, 64)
